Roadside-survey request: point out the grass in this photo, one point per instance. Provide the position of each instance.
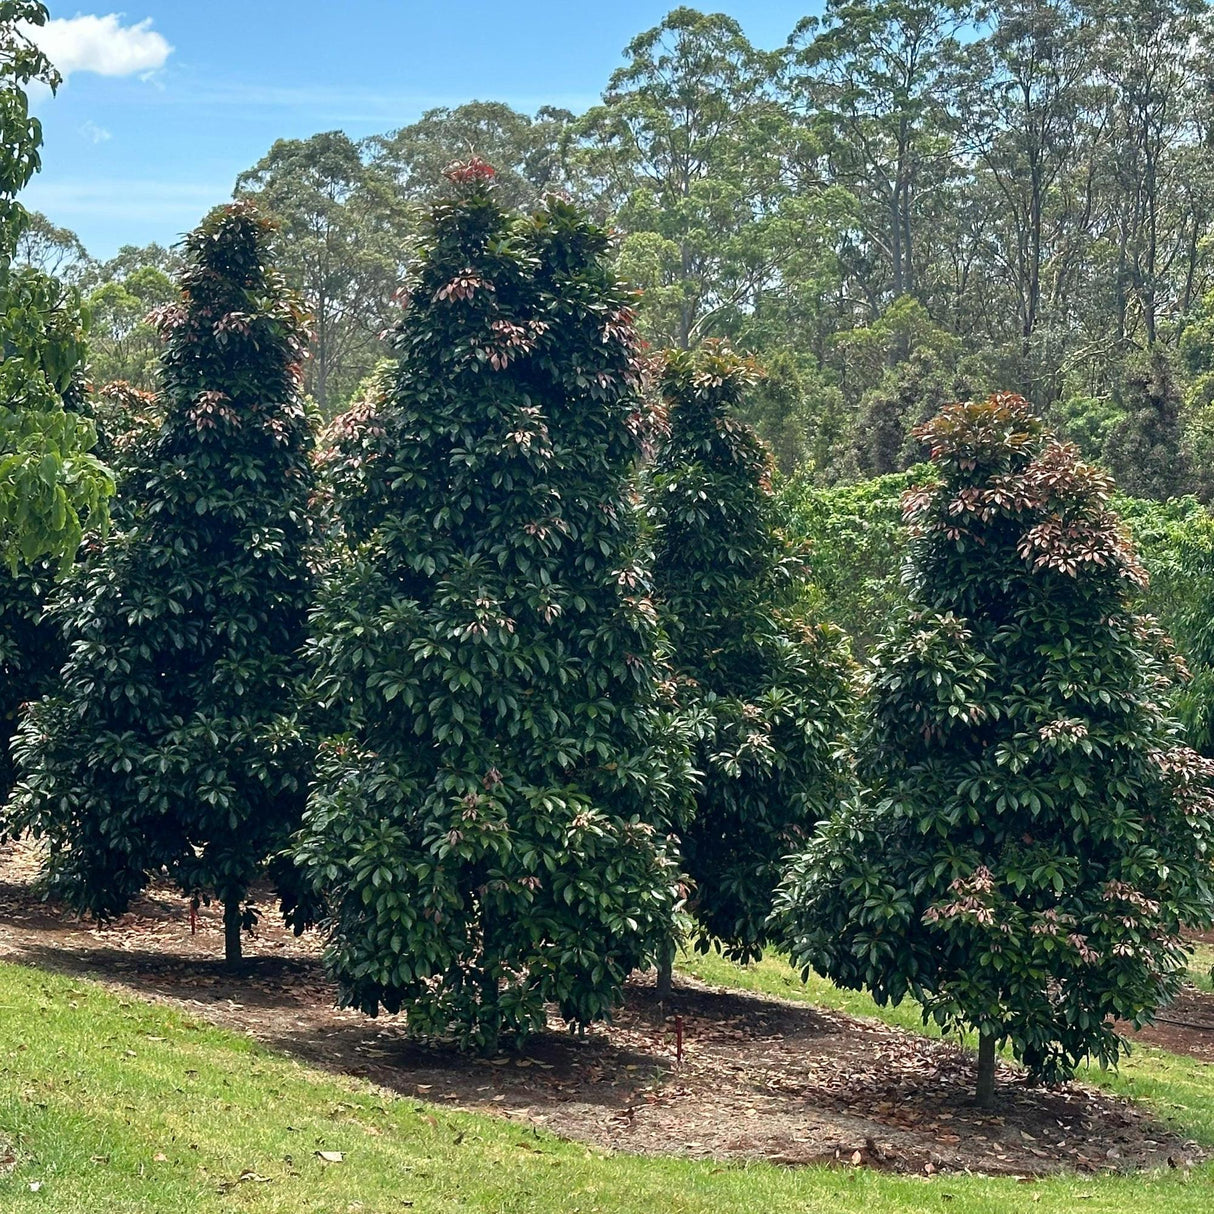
(116, 1106)
(1201, 967)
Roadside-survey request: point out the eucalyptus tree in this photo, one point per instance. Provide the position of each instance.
(685, 152)
(345, 240)
(1032, 117)
(57, 252)
(1153, 57)
(874, 79)
(525, 150)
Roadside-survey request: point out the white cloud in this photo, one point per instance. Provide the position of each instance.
(102, 45)
(94, 133)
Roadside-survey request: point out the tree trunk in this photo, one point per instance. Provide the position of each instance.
(664, 985)
(986, 1070)
(665, 982)
(490, 1025)
(231, 932)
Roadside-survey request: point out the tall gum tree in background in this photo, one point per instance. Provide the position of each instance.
(1028, 112)
(345, 240)
(874, 77)
(490, 829)
(685, 151)
(170, 746)
(1152, 56)
(767, 693)
(1031, 839)
(524, 150)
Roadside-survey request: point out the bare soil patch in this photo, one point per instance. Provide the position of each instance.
(759, 1078)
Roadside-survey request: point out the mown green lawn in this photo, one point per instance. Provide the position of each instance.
(1201, 969)
(114, 1106)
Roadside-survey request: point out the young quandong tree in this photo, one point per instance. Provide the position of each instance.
(171, 746)
(766, 693)
(1031, 837)
(490, 829)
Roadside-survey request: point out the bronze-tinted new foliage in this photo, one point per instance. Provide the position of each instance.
(490, 824)
(171, 743)
(1031, 837)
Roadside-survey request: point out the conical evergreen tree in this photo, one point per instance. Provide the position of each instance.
(171, 747)
(767, 693)
(491, 831)
(1032, 839)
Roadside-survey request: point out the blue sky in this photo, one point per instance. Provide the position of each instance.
(165, 102)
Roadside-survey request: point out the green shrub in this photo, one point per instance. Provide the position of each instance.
(856, 545)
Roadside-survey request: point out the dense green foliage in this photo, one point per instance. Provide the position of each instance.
(490, 829)
(856, 541)
(50, 486)
(124, 345)
(1176, 540)
(767, 694)
(170, 744)
(1146, 450)
(1030, 838)
(31, 652)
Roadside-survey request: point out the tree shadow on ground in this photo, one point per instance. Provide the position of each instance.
(757, 1077)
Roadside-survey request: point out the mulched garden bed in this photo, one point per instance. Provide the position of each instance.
(755, 1078)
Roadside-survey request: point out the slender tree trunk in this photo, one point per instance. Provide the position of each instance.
(490, 994)
(665, 981)
(231, 932)
(986, 1070)
(895, 242)
(665, 985)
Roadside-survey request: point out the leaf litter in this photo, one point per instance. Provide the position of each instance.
(759, 1078)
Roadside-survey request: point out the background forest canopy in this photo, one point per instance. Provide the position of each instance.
(911, 202)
